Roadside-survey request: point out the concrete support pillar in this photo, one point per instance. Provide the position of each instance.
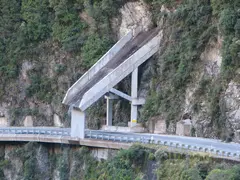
(134, 95)
(77, 123)
(109, 111)
(110, 97)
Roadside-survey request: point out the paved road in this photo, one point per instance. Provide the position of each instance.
(192, 143)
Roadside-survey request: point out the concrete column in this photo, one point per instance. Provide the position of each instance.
(109, 111)
(77, 123)
(134, 95)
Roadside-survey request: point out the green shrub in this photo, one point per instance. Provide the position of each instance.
(41, 87)
(125, 165)
(94, 47)
(228, 19)
(63, 165)
(190, 174)
(68, 27)
(161, 155)
(29, 168)
(189, 30)
(37, 20)
(60, 68)
(219, 174)
(150, 107)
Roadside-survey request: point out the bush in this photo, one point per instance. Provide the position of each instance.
(190, 28)
(41, 87)
(126, 164)
(94, 47)
(161, 155)
(190, 174)
(63, 165)
(227, 21)
(37, 20)
(219, 174)
(67, 27)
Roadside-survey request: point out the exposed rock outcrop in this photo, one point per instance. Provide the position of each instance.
(232, 102)
(134, 16)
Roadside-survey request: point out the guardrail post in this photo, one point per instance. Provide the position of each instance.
(223, 153)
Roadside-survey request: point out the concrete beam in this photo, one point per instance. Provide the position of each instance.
(111, 96)
(121, 94)
(119, 73)
(79, 85)
(138, 101)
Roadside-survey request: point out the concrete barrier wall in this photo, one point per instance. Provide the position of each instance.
(109, 81)
(78, 85)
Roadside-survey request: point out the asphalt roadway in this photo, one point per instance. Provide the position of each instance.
(193, 143)
(204, 143)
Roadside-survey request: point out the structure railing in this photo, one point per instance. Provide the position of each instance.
(150, 140)
(124, 138)
(40, 130)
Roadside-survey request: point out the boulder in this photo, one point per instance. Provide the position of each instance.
(3, 122)
(28, 121)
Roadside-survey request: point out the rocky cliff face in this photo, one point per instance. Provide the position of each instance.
(195, 71)
(45, 109)
(189, 75)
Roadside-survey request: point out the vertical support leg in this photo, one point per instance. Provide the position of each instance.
(134, 95)
(77, 123)
(109, 111)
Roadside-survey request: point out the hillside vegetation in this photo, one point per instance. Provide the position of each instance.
(45, 46)
(34, 161)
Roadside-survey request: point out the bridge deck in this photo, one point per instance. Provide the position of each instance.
(117, 140)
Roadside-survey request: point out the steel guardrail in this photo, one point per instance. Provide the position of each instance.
(125, 138)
